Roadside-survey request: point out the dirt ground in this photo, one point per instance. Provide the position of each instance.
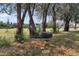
(38, 47)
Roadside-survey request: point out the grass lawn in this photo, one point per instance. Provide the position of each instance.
(62, 43)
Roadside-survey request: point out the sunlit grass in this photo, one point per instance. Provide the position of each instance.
(74, 35)
(11, 32)
(60, 39)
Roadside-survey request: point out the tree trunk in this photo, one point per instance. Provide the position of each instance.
(24, 13)
(54, 23)
(44, 18)
(66, 28)
(68, 16)
(75, 22)
(19, 26)
(20, 22)
(44, 23)
(75, 25)
(67, 20)
(54, 18)
(31, 23)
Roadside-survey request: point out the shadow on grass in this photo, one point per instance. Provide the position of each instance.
(73, 35)
(67, 39)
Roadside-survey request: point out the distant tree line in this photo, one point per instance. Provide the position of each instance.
(9, 25)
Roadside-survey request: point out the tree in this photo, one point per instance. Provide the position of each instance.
(19, 26)
(8, 22)
(67, 19)
(45, 17)
(68, 15)
(31, 22)
(54, 18)
(75, 13)
(66, 11)
(42, 12)
(75, 19)
(20, 21)
(21, 8)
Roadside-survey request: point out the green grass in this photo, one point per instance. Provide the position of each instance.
(10, 33)
(68, 39)
(62, 38)
(4, 42)
(73, 35)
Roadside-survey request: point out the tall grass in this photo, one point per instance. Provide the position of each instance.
(5, 42)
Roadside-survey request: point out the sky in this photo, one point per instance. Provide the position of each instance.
(13, 18)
